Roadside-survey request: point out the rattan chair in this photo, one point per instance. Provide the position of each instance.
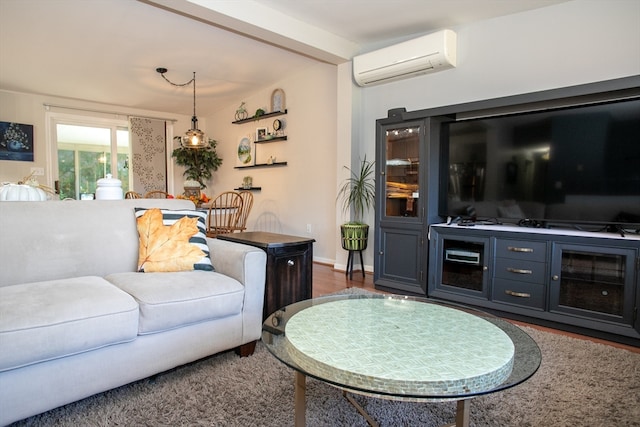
(224, 213)
(156, 194)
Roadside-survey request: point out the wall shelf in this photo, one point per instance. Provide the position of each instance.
(264, 116)
(263, 165)
(263, 141)
(274, 139)
(248, 189)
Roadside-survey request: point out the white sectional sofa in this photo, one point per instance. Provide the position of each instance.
(76, 318)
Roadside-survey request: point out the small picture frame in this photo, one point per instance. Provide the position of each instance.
(245, 152)
(278, 101)
(261, 133)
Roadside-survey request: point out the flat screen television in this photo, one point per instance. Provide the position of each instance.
(567, 167)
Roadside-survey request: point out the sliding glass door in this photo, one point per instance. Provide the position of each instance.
(87, 152)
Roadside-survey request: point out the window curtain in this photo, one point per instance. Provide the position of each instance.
(149, 154)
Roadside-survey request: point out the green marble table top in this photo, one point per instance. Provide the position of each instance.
(400, 347)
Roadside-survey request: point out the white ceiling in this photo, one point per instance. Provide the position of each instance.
(107, 51)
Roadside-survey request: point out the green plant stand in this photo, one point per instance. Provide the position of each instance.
(350, 257)
(354, 239)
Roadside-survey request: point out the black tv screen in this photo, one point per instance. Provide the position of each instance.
(578, 165)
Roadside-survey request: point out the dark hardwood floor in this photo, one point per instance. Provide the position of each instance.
(327, 280)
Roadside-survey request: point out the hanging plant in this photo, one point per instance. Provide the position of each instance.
(199, 163)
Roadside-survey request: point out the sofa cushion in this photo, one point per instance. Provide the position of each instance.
(46, 320)
(197, 240)
(172, 300)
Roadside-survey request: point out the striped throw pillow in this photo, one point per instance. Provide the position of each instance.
(199, 239)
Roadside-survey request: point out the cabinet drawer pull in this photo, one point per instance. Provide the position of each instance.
(518, 271)
(517, 249)
(517, 294)
(290, 263)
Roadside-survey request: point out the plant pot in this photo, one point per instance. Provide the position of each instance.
(191, 188)
(354, 236)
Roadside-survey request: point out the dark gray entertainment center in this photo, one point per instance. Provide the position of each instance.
(469, 223)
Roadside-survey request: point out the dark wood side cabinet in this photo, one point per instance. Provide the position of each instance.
(289, 266)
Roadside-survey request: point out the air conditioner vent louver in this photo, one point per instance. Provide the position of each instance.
(426, 54)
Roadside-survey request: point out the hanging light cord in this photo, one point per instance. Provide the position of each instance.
(194, 138)
(193, 80)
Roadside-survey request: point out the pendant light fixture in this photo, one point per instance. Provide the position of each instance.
(194, 137)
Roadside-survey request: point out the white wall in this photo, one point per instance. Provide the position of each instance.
(303, 191)
(572, 43)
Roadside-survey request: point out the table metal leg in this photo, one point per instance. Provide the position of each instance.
(360, 409)
(463, 413)
(300, 387)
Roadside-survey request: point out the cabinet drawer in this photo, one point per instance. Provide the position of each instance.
(521, 271)
(519, 293)
(521, 249)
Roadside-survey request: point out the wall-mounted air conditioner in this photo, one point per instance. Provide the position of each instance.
(426, 54)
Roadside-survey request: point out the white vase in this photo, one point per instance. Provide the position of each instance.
(109, 189)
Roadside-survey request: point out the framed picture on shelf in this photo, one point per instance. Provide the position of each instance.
(261, 133)
(246, 152)
(278, 101)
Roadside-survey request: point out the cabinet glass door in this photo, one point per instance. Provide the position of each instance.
(594, 282)
(401, 170)
(463, 265)
(459, 268)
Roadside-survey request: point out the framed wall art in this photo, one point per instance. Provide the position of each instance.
(246, 152)
(16, 141)
(278, 102)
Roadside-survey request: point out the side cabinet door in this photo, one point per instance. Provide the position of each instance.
(399, 259)
(291, 276)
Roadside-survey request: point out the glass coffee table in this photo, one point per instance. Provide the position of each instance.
(400, 348)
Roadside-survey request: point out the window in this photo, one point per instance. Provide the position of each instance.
(86, 149)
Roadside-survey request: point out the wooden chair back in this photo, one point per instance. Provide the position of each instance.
(247, 204)
(156, 194)
(223, 213)
(132, 195)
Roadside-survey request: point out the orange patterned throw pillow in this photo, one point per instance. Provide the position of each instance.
(166, 247)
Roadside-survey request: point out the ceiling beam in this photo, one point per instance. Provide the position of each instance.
(259, 22)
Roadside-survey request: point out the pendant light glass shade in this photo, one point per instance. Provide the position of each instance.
(194, 137)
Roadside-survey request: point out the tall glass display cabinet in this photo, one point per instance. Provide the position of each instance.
(403, 208)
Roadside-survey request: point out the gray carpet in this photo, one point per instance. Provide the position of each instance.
(580, 383)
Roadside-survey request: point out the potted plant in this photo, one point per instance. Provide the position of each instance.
(358, 195)
(199, 162)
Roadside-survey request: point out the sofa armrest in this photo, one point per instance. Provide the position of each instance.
(237, 260)
(248, 265)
